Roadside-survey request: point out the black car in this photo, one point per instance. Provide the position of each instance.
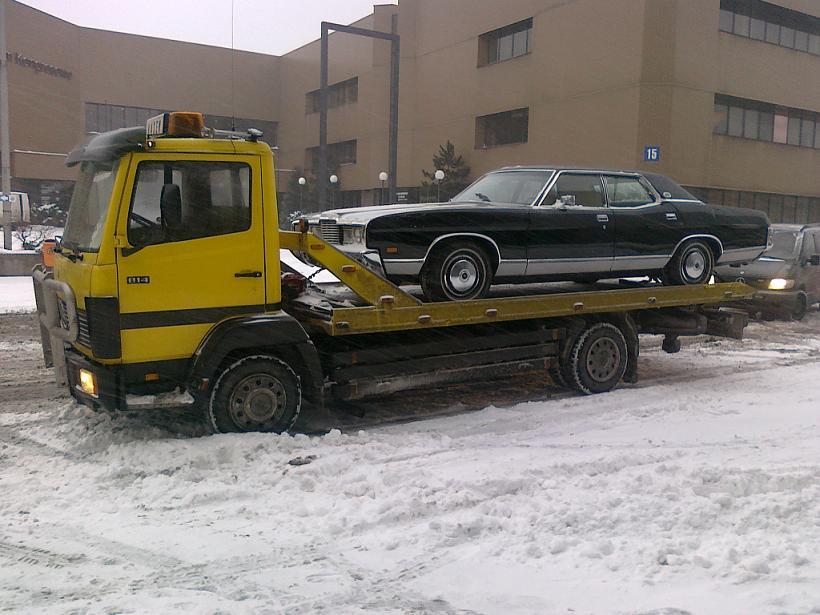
(533, 224)
(787, 274)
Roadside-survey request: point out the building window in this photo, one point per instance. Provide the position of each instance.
(338, 95)
(781, 208)
(102, 117)
(505, 43)
(343, 152)
(777, 25)
(751, 119)
(502, 128)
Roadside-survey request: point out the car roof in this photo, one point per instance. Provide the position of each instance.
(560, 167)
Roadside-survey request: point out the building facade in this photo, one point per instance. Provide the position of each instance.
(722, 95)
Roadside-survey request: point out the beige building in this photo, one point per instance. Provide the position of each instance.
(722, 95)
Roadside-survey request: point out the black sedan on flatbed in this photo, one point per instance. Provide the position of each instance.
(534, 224)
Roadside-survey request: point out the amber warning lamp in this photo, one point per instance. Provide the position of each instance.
(175, 124)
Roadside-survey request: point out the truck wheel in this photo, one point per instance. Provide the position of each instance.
(691, 264)
(456, 271)
(801, 306)
(256, 393)
(598, 359)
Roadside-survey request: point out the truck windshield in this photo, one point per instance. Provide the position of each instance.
(89, 205)
(520, 187)
(783, 247)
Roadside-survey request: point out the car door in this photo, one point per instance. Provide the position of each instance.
(196, 228)
(810, 273)
(647, 229)
(570, 230)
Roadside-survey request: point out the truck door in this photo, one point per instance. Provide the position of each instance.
(195, 227)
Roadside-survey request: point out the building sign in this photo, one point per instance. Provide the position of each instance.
(651, 153)
(37, 66)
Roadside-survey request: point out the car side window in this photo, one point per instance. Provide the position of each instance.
(183, 200)
(586, 188)
(809, 246)
(626, 192)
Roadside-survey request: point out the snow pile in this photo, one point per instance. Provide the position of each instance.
(695, 491)
(16, 294)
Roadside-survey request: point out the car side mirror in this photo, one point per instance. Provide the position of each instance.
(566, 200)
(814, 260)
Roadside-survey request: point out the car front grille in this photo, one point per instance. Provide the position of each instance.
(83, 336)
(329, 231)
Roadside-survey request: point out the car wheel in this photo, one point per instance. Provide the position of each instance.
(456, 271)
(801, 306)
(599, 359)
(256, 393)
(693, 263)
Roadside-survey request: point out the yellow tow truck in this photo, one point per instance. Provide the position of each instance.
(169, 278)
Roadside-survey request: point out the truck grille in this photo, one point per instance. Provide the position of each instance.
(83, 336)
(329, 231)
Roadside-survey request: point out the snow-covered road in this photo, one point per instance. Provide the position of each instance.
(695, 491)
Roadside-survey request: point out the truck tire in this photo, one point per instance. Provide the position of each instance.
(599, 359)
(456, 271)
(693, 263)
(256, 393)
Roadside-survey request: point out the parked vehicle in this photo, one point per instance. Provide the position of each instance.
(787, 274)
(534, 224)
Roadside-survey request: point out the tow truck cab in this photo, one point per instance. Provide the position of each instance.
(167, 234)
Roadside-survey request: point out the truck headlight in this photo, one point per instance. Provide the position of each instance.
(88, 382)
(353, 234)
(780, 284)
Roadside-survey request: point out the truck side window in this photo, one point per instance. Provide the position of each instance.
(184, 200)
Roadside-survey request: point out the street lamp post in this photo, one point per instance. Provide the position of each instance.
(334, 179)
(302, 182)
(382, 179)
(439, 175)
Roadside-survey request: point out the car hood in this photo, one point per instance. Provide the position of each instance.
(363, 215)
(762, 268)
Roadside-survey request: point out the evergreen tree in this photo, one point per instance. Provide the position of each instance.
(455, 170)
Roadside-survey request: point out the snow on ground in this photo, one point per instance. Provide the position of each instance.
(695, 491)
(16, 294)
(39, 230)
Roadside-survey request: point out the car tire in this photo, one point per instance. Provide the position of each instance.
(599, 359)
(255, 393)
(693, 263)
(800, 307)
(456, 271)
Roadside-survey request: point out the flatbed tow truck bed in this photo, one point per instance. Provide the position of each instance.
(376, 338)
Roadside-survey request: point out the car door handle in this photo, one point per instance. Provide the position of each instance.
(671, 216)
(603, 218)
(248, 274)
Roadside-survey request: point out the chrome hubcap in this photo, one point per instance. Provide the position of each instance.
(462, 275)
(693, 265)
(603, 359)
(257, 401)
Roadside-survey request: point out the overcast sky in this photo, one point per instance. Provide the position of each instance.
(267, 26)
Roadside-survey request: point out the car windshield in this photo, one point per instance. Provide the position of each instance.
(89, 204)
(520, 187)
(783, 247)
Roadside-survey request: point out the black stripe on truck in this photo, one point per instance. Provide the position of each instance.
(198, 316)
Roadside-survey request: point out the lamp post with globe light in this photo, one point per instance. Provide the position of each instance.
(334, 179)
(382, 178)
(439, 175)
(302, 182)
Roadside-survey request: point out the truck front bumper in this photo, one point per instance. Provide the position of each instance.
(108, 390)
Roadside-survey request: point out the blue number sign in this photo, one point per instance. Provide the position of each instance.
(651, 153)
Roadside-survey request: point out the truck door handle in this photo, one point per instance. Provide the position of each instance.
(671, 216)
(248, 274)
(603, 218)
